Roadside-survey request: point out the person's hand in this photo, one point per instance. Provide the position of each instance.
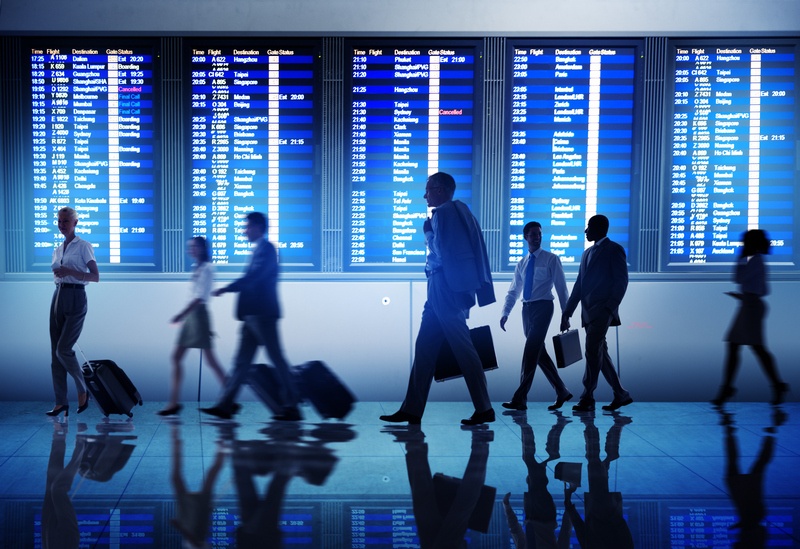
(62, 272)
(503, 323)
(564, 323)
(177, 318)
(427, 227)
(218, 292)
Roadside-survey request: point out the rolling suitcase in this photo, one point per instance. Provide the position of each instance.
(111, 388)
(320, 386)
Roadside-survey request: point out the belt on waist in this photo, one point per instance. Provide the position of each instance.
(67, 286)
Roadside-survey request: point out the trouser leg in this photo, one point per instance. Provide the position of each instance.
(267, 332)
(67, 314)
(426, 351)
(248, 344)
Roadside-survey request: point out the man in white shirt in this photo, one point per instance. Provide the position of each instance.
(534, 278)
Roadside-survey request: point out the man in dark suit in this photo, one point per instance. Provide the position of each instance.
(259, 311)
(458, 270)
(600, 286)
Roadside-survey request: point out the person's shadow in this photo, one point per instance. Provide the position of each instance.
(59, 519)
(446, 507)
(746, 490)
(193, 509)
(604, 525)
(539, 530)
(289, 451)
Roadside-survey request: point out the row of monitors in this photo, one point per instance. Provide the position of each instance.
(572, 134)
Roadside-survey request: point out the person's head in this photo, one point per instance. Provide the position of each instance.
(198, 249)
(755, 241)
(67, 220)
(532, 233)
(596, 228)
(255, 226)
(439, 188)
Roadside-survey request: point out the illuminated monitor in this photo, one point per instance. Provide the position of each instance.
(573, 141)
(254, 127)
(414, 110)
(94, 137)
(732, 156)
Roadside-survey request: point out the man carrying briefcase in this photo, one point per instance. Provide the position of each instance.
(534, 278)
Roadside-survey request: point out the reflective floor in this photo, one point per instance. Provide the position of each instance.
(654, 475)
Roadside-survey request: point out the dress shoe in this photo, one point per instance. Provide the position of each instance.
(400, 416)
(725, 393)
(217, 411)
(58, 409)
(559, 402)
(514, 406)
(171, 411)
(479, 418)
(82, 407)
(291, 413)
(584, 406)
(617, 403)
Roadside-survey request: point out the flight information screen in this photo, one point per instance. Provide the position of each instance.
(571, 123)
(413, 111)
(733, 156)
(253, 137)
(93, 135)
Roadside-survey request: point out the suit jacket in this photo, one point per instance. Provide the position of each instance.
(465, 262)
(258, 287)
(601, 284)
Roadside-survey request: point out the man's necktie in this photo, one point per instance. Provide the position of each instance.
(527, 289)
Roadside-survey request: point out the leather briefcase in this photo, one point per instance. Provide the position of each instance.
(568, 348)
(446, 364)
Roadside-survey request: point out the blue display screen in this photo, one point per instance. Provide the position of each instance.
(572, 114)
(413, 111)
(733, 157)
(252, 148)
(93, 134)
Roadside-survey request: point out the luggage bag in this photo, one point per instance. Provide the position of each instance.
(111, 388)
(314, 382)
(320, 386)
(446, 365)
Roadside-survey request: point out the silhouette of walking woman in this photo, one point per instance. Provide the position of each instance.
(747, 327)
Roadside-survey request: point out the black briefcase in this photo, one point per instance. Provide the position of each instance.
(568, 348)
(446, 364)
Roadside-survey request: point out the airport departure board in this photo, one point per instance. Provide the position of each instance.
(413, 110)
(733, 158)
(93, 136)
(571, 127)
(252, 148)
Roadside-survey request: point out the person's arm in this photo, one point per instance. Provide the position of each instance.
(619, 277)
(574, 299)
(560, 283)
(514, 290)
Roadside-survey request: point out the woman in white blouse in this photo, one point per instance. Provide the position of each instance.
(196, 330)
(73, 266)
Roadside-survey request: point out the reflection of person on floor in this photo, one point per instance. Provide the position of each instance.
(193, 509)
(604, 526)
(540, 509)
(59, 520)
(442, 521)
(287, 456)
(747, 489)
